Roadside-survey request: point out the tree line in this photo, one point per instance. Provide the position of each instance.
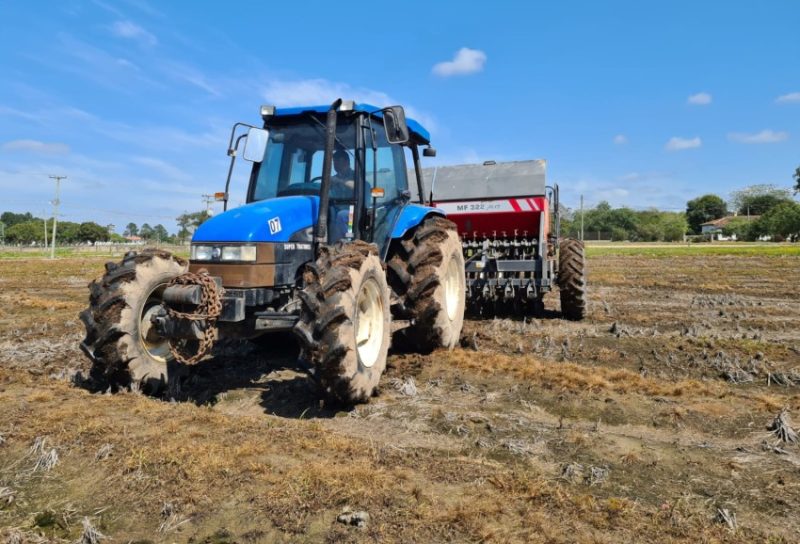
(626, 224)
(26, 229)
(760, 211)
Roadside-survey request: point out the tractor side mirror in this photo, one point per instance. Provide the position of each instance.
(256, 144)
(429, 152)
(394, 121)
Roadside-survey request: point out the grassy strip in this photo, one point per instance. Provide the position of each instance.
(68, 252)
(673, 250)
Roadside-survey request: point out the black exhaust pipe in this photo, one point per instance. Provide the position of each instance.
(321, 232)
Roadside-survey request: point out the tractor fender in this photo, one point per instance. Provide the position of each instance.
(412, 216)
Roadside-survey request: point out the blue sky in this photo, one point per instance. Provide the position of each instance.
(638, 103)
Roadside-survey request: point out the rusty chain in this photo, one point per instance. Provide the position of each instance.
(208, 310)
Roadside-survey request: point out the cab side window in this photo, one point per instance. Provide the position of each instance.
(388, 172)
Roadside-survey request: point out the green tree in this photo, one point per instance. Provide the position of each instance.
(781, 221)
(675, 226)
(25, 233)
(188, 222)
(741, 227)
(759, 199)
(796, 177)
(10, 218)
(68, 232)
(92, 232)
(658, 226)
(146, 231)
(703, 209)
(131, 230)
(160, 233)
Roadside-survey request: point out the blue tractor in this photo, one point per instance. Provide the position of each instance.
(330, 246)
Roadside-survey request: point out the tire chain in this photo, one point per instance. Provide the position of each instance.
(208, 310)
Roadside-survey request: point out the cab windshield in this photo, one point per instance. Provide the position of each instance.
(292, 164)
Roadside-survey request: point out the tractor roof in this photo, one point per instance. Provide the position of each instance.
(418, 132)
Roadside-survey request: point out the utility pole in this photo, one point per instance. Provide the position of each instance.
(208, 199)
(44, 220)
(581, 218)
(56, 202)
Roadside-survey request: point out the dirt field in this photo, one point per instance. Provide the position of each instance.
(647, 422)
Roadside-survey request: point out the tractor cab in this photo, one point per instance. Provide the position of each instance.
(368, 183)
(364, 188)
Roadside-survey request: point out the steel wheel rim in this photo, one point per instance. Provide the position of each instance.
(154, 344)
(452, 288)
(369, 323)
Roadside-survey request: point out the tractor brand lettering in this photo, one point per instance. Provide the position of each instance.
(275, 225)
(491, 206)
(299, 247)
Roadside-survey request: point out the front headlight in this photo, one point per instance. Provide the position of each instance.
(201, 253)
(239, 253)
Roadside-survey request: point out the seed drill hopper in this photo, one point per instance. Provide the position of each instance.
(508, 221)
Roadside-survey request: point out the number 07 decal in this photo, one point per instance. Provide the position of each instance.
(274, 225)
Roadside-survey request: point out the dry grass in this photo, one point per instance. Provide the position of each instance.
(576, 377)
(476, 455)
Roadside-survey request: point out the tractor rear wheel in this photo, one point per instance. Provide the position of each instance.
(572, 279)
(427, 270)
(120, 340)
(345, 320)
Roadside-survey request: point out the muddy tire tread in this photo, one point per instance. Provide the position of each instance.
(572, 279)
(414, 275)
(325, 328)
(115, 362)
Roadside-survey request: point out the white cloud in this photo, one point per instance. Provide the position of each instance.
(35, 146)
(312, 92)
(164, 168)
(98, 66)
(699, 99)
(619, 192)
(766, 136)
(678, 144)
(620, 139)
(309, 92)
(132, 31)
(790, 98)
(190, 75)
(633, 177)
(466, 61)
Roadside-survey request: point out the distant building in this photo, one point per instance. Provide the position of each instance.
(714, 229)
(134, 239)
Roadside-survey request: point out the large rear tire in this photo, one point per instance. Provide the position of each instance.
(427, 271)
(120, 340)
(572, 279)
(345, 321)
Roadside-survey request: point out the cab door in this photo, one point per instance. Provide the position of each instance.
(386, 188)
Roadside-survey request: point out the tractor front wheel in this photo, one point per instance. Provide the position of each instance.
(345, 322)
(121, 341)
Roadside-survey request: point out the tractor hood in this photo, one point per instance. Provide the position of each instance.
(273, 220)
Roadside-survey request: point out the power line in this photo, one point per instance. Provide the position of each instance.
(56, 202)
